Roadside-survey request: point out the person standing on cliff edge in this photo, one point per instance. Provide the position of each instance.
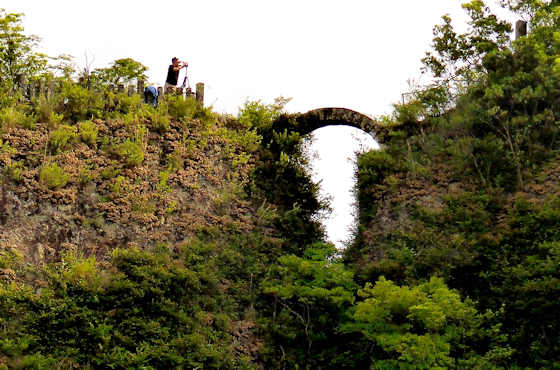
(173, 73)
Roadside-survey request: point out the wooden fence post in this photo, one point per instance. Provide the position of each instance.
(120, 88)
(520, 29)
(140, 87)
(131, 89)
(21, 84)
(32, 89)
(50, 90)
(37, 92)
(160, 92)
(200, 93)
(42, 88)
(179, 92)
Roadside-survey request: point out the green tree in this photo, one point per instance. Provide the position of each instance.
(423, 326)
(504, 88)
(121, 71)
(17, 50)
(311, 295)
(456, 58)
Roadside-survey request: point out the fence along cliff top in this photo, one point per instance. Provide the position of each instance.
(33, 89)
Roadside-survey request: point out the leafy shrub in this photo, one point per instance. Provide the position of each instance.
(172, 207)
(121, 104)
(131, 151)
(258, 115)
(182, 109)
(375, 168)
(492, 161)
(14, 171)
(129, 119)
(55, 119)
(175, 160)
(53, 176)
(88, 132)
(160, 122)
(162, 184)
(157, 117)
(143, 205)
(46, 113)
(110, 172)
(86, 175)
(248, 139)
(140, 133)
(8, 97)
(10, 258)
(61, 138)
(119, 185)
(205, 115)
(11, 117)
(78, 103)
(6, 148)
(146, 311)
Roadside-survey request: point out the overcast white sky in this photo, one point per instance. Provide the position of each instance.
(357, 54)
(332, 150)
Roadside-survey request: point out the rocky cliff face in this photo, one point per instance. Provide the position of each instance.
(191, 178)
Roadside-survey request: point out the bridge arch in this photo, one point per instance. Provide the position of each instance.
(305, 123)
(323, 117)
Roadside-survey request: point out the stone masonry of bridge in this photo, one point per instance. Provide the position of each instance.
(305, 123)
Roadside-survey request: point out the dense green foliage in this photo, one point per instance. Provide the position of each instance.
(281, 175)
(482, 224)
(146, 310)
(456, 259)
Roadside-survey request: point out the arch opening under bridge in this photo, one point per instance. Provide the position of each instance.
(335, 135)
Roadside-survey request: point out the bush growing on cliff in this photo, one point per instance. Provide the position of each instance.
(88, 132)
(119, 104)
(131, 151)
(17, 117)
(256, 114)
(61, 138)
(14, 171)
(53, 176)
(46, 111)
(312, 294)
(321, 318)
(160, 122)
(79, 104)
(182, 109)
(423, 326)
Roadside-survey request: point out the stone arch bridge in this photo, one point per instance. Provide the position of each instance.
(305, 123)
